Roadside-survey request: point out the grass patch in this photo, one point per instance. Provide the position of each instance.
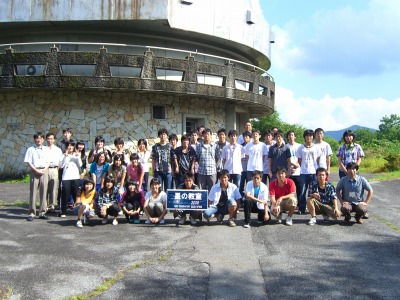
(386, 222)
(387, 176)
(5, 292)
(19, 203)
(120, 274)
(24, 179)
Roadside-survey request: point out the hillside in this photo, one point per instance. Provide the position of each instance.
(338, 134)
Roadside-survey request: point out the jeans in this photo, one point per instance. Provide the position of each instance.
(145, 182)
(165, 179)
(235, 179)
(305, 181)
(219, 210)
(243, 180)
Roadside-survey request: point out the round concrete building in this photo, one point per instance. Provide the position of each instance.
(126, 68)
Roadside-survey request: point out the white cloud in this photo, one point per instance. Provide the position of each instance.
(342, 41)
(332, 113)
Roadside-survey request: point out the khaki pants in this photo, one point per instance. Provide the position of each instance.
(38, 183)
(52, 186)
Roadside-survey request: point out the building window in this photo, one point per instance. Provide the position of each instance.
(210, 79)
(165, 74)
(159, 112)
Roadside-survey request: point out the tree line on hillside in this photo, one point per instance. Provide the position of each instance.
(380, 144)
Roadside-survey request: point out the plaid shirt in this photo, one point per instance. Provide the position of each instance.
(207, 157)
(351, 154)
(327, 197)
(106, 199)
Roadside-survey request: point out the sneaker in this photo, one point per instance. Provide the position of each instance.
(182, 220)
(162, 221)
(279, 218)
(104, 221)
(326, 218)
(312, 221)
(365, 216)
(246, 225)
(147, 221)
(192, 220)
(62, 216)
(30, 218)
(115, 222)
(44, 217)
(79, 224)
(120, 213)
(289, 221)
(136, 221)
(259, 222)
(231, 222)
(220, 218)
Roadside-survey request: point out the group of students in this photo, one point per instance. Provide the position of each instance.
(268, 177)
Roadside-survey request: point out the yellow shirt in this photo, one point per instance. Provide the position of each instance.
(87, 200)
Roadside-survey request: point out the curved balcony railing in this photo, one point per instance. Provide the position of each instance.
(231, 79)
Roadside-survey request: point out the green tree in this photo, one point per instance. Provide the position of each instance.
(389, 128)
(273, 120)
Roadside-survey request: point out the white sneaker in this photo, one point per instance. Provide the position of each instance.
(162, 221)
(104, 221)
(279, 218)
(312, 221)
(115, 222)
(182, 220)
(120, 213)
(192, 220)
(246, 225)
(289, 221)
(147, 221)
(79, 224)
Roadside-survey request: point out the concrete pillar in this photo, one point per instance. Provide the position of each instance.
(230, 116)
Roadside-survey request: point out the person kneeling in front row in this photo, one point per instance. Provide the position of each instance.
(85, 202)
(155, 203)
(108, 201)
(223, 199)
(282, 193)
(350, 192)
(322, 198)
(193, 214)
(132, 202)
(256, 200)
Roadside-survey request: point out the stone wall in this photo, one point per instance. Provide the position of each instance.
(90, 113)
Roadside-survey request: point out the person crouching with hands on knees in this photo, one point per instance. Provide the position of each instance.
(107, 202)
(322, 198)
(282, 193)
(256, 200)
(350, 192)
(132, 202)
(223, 199)
(85, 201)
(155, 203)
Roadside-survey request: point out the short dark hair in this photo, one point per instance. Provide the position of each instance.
(280, 169)
(246, 133)
(96, 158)
(352, 165)
(155, 180)
(349, 132)
(173, 136)
(50, 134)
(289, 132)
(99, 138)
(308, 132)
(142, 141)
(221, 130)
(232, 132)
(131, 182)
(321, 169)
(224, 172)
(279, 132)
(255, 131)
(109, 178)
(70, 143)
(67, 130)
(269, 132)
(188, 176)
(88, 180)
(319, 130)
(38, 134)
(118, 141)
(185, 137)
(134, 156)
(207, 130)
(256, 172)
(161, 131)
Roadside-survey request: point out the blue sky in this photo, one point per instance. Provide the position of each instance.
(335, 63)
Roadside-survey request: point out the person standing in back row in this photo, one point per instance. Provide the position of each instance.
(161, 155)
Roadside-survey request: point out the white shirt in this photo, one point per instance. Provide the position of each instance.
(232, 192)
(162, 197)
(308, 157)
(71, 165)
(233, 155)
(256, 154)
(38, 157)
(293, 157)
(262, 194)
(144, 160)
(326, 151)
(54, 155)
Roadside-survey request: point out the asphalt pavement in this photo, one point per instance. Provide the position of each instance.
(56, 260)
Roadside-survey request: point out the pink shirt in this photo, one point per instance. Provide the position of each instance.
(133, 173)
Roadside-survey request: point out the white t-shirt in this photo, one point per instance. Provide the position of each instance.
(326, 151)
(308, 157)
(162, 197)
(293, 157)
(233, 154)
(256, 154)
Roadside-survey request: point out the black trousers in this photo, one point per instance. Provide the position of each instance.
(69, 188)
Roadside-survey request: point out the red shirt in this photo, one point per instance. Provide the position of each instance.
(277, 191)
